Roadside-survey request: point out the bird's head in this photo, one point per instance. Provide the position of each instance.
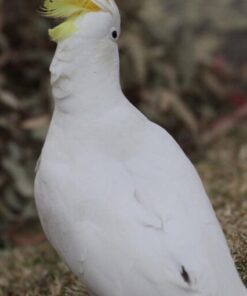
(87, 52)
(83, 18)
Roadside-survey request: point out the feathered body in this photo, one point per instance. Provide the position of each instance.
(117, 197)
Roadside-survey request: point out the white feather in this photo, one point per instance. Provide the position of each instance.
(117, 197)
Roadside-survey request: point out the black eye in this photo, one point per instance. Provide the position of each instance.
(114, 34)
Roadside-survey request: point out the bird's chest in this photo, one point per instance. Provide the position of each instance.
(79, 189)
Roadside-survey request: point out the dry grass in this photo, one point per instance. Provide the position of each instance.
(34, 271)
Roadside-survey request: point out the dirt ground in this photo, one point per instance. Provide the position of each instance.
(36, 270)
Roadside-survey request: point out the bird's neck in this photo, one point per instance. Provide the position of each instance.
(86, 84)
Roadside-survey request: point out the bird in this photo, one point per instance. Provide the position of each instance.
(117, 198)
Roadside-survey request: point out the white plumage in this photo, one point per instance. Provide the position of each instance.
(117, 197)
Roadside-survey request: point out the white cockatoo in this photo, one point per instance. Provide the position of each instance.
(117, 198)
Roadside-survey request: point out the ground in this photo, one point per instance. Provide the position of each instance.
(37, 271)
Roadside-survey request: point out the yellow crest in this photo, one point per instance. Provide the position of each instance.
(68, 9)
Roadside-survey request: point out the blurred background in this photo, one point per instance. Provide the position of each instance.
(183, 63)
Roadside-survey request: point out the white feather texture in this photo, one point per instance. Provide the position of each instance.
(117, 197)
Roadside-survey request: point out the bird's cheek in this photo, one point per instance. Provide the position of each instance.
(106, 51)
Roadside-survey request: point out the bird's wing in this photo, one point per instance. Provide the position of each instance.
(188, 240)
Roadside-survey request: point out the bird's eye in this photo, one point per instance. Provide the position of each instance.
(114, 35)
